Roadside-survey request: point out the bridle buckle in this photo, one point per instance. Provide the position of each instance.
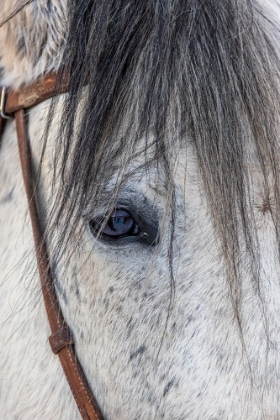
(2, 105)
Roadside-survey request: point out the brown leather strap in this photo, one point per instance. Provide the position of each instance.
(44, 88)
(61, 339)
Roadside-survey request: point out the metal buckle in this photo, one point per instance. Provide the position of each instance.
(2, 105)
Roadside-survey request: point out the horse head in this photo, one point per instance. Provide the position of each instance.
(157, 183)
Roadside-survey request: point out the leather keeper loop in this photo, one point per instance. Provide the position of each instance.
(60, 339)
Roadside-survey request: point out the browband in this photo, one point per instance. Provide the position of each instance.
(27, 97)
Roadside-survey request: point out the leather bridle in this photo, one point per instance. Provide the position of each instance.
(14, 105)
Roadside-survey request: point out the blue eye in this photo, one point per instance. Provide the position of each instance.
(120, 224)
(124, 226)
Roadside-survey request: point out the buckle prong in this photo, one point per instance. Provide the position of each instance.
(2, 105)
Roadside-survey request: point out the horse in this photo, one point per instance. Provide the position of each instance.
(157, 182)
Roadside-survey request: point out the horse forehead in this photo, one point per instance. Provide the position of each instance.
(32, 42)
(152, 179)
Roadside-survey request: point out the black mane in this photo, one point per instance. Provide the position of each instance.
(204, 71)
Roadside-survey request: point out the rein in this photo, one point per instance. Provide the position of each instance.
(14, 105)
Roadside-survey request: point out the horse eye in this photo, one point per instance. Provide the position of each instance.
(119, 224)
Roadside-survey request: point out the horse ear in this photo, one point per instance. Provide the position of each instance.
(32, 39)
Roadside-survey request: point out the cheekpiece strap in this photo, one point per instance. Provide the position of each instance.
(15, 104)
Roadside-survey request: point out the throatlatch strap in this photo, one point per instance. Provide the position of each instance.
(61, 339)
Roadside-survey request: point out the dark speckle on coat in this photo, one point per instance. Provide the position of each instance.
(138, 352)
(167, 387)
(8, 198)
